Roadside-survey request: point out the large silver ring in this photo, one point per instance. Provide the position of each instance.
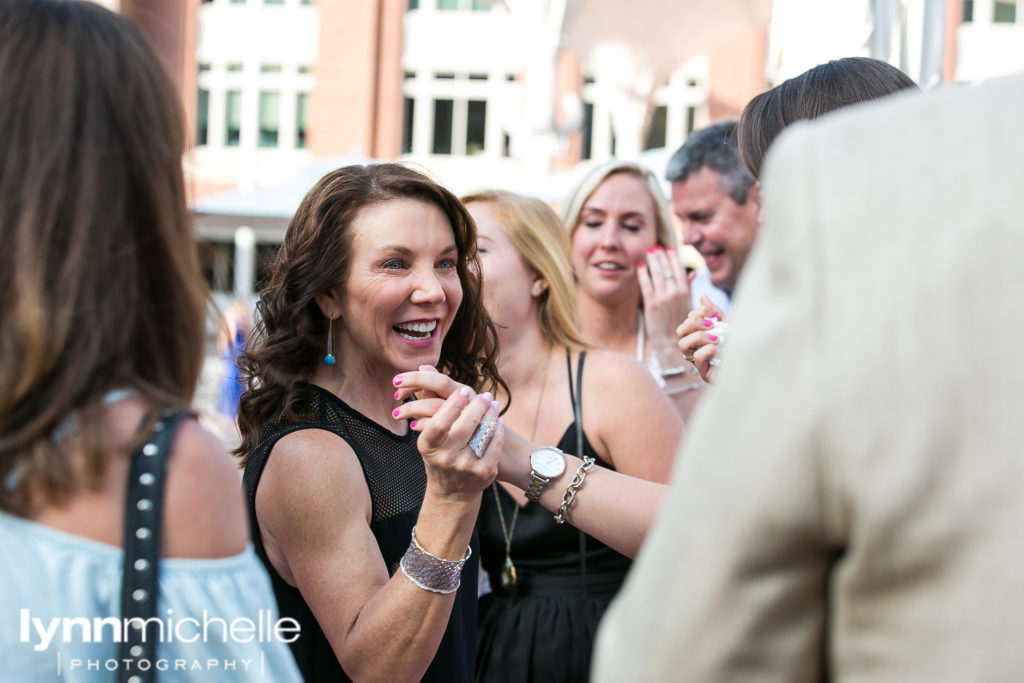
(669, 276)
(482, 436)
(689, 358)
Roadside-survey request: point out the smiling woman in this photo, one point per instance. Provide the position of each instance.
(631, 286)
(551, 583)
(365, 526)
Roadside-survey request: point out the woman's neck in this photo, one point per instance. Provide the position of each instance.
(532, 378)
(612, 326)
(522, 359)
(368, 390)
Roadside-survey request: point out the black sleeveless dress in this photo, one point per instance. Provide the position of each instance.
(542, 629)
(396, 478)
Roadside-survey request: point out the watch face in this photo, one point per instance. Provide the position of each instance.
(547, 462)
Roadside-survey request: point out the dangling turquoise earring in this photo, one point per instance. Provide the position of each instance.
(329, 358)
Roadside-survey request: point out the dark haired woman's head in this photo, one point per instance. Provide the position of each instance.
(99, 279)
(816, 92)
(390, 256)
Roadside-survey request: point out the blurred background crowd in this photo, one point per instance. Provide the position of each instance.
(521, 94)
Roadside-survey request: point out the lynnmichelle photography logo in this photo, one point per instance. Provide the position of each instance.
(42, 634)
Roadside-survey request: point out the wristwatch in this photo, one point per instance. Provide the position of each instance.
(547, 463)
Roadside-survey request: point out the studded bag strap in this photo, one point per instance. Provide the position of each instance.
(142, 532)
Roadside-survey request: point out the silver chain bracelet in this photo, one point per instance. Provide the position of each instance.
(574, 487)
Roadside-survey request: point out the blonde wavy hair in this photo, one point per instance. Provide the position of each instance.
(579, 195)
(537, 234)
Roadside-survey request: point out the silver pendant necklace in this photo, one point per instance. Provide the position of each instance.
(508, 568)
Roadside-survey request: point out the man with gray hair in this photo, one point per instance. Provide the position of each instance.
(717, 201)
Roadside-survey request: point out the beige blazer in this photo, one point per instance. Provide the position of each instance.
(849, 503)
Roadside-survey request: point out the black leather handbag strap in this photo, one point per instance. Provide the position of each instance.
(143, 515)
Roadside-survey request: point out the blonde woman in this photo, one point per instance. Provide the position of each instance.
(550, 582)
(632, 289)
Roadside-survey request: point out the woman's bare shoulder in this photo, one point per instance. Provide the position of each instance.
(613, 367)
(311, 482)
(204, 509)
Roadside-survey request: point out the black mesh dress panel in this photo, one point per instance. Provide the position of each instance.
(396, 478)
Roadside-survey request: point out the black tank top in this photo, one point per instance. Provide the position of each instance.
(396, 477)
(548, 557)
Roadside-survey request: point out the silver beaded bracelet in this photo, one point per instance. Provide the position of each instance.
(430, 572)
(672, 372)
(682, 390)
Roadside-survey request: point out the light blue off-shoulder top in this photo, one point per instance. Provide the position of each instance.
(60, 607)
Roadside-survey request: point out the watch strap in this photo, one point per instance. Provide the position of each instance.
(537, 484)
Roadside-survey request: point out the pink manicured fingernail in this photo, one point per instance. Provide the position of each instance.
(494, 404)
(486, 397)
(641, 265)
(707, 323)
(651, 250)
(412, 424)
(657, 248)
(394, 413)
(715, 316)
(465, 392)
(712, 337)
(396, 395)
(397, 381)
(670, 248)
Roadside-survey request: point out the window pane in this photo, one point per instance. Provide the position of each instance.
(447, 4)
(968, 11)
(202, 117)
(414, 4)
(273, 2)
(656, 132)
(1005, 13)
(482, 5)
(270, 107)
(588, 128)
(301, 120)
(270, 68)
(233, 107)
(443, 126)
(476, 123)
(409, 109)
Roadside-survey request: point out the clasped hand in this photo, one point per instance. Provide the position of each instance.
(698, 342)
(446, 416)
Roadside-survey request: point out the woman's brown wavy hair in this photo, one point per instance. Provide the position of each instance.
(100, 286)
(290, 332)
